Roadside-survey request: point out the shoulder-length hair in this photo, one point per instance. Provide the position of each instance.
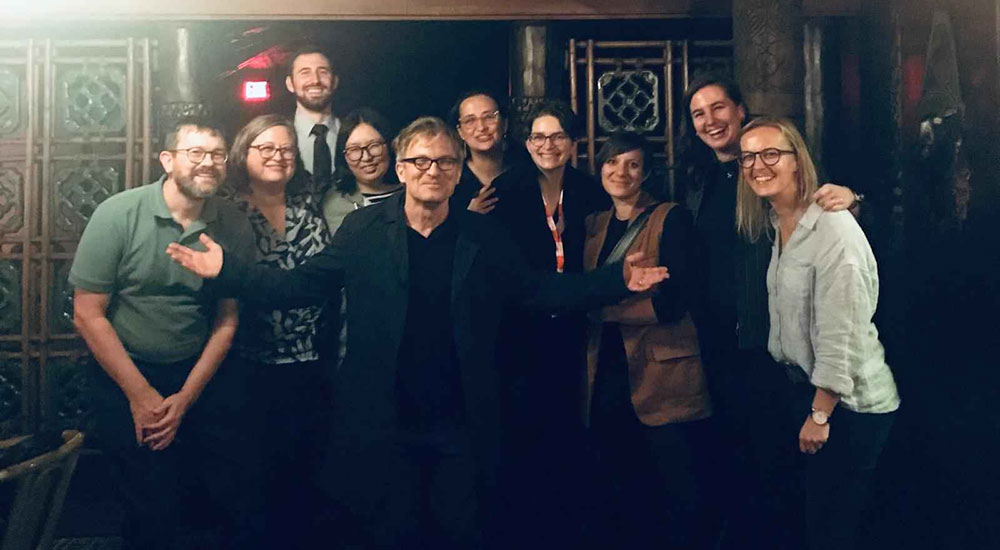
(752, 211)
(696, 161)
(344, 180)
(238, 178)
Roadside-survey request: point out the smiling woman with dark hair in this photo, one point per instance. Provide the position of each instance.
(647, 399)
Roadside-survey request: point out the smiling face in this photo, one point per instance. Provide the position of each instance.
(621, 175)
(479, 123)
(433, 185)
(276, 170)
(201, 180)
(778, 183)
(717, 120)
(312, 81)
(553, 152)
(370, 169)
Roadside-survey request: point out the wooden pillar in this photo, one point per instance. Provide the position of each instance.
(181, 94)
(767, 44)
(529, 63)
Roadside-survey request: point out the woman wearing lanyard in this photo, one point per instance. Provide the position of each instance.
(822, 289)
(543, 206)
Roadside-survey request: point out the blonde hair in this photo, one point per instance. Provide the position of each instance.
(752, 211)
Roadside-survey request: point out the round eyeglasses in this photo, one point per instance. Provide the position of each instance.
(355, 152)
(769, 156)
(267, 151)
(470, 122)
(558, 139)
(196, 155)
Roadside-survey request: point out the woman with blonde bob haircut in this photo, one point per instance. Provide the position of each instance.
(822, 286)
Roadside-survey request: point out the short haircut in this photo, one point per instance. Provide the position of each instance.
(623, 142)
(559, 109)
(344, 178)
(428, 127)
(751, 210)
(305, 49)
(239, 177)
(172, 133)
(454, 114)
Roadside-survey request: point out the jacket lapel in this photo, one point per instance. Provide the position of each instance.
(396, 233)
(465, 253)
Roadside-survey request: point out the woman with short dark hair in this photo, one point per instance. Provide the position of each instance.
(646, 400)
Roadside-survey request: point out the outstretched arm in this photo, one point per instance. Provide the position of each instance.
(320, 277)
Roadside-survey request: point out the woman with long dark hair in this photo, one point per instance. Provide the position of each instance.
(481, 121)
(362, 160)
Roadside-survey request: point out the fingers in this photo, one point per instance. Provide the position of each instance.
(486, 192)
(207, 241)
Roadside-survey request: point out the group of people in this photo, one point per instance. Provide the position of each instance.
(352, 336)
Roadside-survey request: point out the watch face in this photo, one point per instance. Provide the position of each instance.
(820, 417)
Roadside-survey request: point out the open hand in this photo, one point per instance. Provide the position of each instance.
(484, 202)
(206, 265)
(640, 278)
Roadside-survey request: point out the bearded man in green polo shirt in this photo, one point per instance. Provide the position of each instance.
(160, 338)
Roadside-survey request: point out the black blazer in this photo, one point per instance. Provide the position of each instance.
(368, 257)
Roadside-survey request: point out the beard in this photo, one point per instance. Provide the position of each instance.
(193, 190)
(318, 104)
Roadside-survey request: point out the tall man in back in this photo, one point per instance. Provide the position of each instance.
(312, 79)
(160, 337)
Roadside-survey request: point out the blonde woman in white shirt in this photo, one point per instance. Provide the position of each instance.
(822, 292)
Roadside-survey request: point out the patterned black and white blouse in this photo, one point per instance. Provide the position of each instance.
(281, 336)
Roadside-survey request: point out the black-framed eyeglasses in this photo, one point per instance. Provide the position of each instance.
(196, 155)
(471, 121)
(769, 156)
(355, 152)
(267, 151)
(558, 139)
(445, 164)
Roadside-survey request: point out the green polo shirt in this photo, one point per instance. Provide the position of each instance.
(160, 311)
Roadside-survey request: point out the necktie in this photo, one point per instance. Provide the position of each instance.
(321, 155)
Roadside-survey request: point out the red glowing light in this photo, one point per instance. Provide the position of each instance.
(256, 90)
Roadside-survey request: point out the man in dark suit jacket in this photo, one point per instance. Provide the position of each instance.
(416, 426)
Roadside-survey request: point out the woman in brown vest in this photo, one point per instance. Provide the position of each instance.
(646, 401)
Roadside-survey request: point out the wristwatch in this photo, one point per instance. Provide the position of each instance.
(819, 417)
(858, 199)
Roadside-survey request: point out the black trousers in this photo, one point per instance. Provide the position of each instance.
(210, 453)
(653, 479)
(757, 489)
(418, 491)
(838, 477)
(290, 405)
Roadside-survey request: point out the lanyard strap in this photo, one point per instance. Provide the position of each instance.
(556, 228)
